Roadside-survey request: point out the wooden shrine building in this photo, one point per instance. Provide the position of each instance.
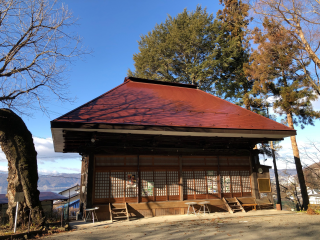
(156, 145)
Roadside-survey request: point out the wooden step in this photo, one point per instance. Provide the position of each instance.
(117, 210)
(233, 205)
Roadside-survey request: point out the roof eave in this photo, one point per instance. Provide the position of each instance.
(57, 129)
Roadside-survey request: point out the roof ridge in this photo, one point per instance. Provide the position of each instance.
(91, 101)
(175, 84)
(248, 110)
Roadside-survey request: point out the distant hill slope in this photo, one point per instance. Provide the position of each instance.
(52, 183)
(283, 172)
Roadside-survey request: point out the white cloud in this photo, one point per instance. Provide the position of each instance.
(49, 162)
(3, 169)
(44, 148)
(2, 156)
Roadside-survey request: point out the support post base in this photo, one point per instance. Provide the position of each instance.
(279, 207)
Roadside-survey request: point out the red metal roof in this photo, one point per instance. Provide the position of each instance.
(147, 102)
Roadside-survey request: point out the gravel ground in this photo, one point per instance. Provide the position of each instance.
(256, 225)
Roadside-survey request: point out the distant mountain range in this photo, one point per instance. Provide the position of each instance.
(47, 183)
(283, 172)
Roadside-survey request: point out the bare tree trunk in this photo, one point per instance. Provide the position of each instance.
(297, 161)
(17, 144)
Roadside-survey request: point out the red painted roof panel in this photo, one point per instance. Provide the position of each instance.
(145, 103)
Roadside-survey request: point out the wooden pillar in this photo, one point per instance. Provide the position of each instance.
(194, 186)
(206, 178)
(154, 187)
(83, 184)
(181, 179)
(124, 186)
(139, 182)
(90, 181)
(254, 179)
(219, 179)
(167, 186)
(241, 183)
(231, 187)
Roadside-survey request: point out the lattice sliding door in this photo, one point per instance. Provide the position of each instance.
(102, 185)
(212, 184)
(236, 183)
(160, 185)
(147, 186)
(188, 185)
(117, 185)
(173, 185)
(131, 186)
(246, 183)
(225, 183)
(200, 184)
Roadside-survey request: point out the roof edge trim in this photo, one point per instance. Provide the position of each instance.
(134, 79)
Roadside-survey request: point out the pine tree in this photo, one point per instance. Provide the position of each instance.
(233, 53)
(278, 75)
(182, 49)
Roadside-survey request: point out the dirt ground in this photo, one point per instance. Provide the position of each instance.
(256, 225)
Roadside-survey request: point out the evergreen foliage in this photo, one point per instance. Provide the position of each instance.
(233, 52)
(182, 49)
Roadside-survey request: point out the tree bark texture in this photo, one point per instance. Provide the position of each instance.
(296, 155)
(17, 144)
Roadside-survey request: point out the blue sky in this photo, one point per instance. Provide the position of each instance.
(111, 30)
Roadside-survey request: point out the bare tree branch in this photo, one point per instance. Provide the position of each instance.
(34, 50)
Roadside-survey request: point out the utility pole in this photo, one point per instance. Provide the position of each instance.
(279, 205)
